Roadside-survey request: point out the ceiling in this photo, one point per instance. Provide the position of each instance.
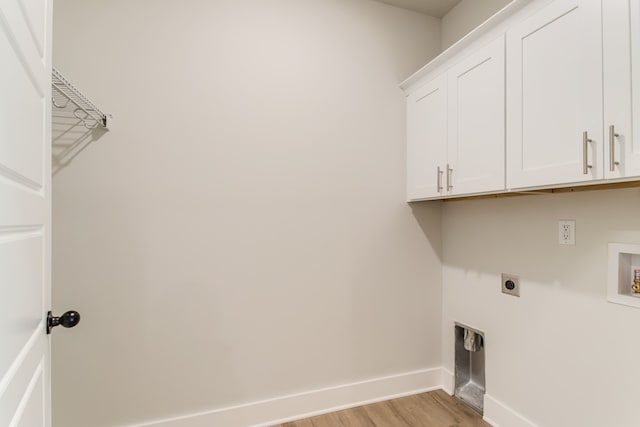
(437, 8)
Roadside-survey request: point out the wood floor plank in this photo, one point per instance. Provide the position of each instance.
(355, 417)
(383, 414)
(416, 412)
(302, 423)
(463, 414)
(434, 409)
(328, 420)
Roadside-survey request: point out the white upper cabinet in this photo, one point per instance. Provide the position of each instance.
(621, 27)
(554, 95)
(455, 128)
(475, 151)
(426, 140)
(545, 94)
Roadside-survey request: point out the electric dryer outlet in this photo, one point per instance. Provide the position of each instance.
(510, 284)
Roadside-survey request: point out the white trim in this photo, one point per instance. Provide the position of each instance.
(498, 414)
(447, 381)
(492, 27)
(316, 402)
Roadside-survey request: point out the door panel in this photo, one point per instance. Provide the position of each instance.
(21, 264)
(25, 81)
(634, 6)
(621, 26)
(25, 210)
(617, 94)
(20, 136)
(29, 411)
(477, 121)
(617, 83)
(35, 16)
(31, 366)
(427, 139)
(554, 94)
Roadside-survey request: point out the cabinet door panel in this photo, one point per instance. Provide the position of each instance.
(554, 94)
(477, 121)
(621, 26)
(426, 139)
(635, 67)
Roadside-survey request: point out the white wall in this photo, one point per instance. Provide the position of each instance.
(241, 233)
(560, 355)
(465, 16)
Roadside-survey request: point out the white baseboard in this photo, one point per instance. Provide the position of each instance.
(447, 381)
(498, 414)
(302, 405)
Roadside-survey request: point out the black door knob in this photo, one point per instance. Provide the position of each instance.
(68, 320)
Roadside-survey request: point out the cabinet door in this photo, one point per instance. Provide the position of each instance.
(554, 95)
(477, 122)
(426, 140)
(621, 26)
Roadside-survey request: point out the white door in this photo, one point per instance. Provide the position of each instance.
(25, 210)
(621, 26)
(477, 122)
(427, 140)
(554, 95)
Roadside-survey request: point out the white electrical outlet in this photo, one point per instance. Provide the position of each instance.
(567, 232)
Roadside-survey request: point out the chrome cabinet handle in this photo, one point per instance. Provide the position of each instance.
(439, 179)
(449, 178)
(612, 150)
(585, 157)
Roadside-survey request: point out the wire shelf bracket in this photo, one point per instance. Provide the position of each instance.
(66, 96)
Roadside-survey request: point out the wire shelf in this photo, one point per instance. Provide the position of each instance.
(85, 110)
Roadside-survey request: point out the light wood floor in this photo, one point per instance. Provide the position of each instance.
(434, 409)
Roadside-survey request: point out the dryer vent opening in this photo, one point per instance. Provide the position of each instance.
(469, 366)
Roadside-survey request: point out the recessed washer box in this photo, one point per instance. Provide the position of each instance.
(624, 258)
